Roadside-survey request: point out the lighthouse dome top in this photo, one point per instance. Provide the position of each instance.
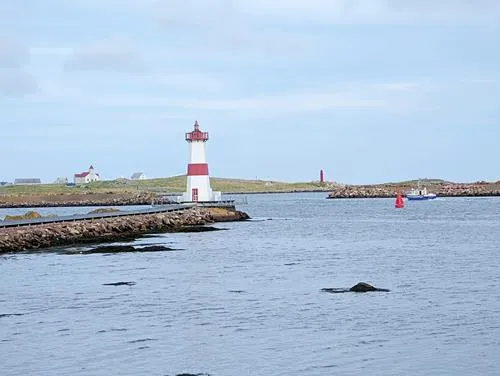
(196, 134)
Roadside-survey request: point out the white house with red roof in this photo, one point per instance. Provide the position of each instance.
(87, 176)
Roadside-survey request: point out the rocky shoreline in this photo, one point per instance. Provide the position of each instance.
(442, 190)
(111, 229)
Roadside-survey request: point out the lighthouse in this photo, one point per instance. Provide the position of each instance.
(198, 181)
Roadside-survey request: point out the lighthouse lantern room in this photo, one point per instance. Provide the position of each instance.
(198, 180)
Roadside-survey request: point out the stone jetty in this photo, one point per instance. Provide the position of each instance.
(81, 199)
(110, 229)
(444, 189)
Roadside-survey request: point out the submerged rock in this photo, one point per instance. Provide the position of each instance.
(126, 248)
(360, 287)
(197, 228)
(27, 215)
(119, 284)
(333, 290)
(365, 287)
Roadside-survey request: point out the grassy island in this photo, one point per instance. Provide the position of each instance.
(140, 192)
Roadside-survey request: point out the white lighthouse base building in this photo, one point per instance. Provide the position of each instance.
(198, 190)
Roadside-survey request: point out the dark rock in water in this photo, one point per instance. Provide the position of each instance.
(334, 290)
(153, 248)
(192, 374)
(119, 284)
(365, 287)
(199, 229)
(10, 314)
(360, 287)
(110, 249)
(126, 248)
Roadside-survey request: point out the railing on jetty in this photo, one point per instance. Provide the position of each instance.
(238, 200)
(230, 204)
(92, 216)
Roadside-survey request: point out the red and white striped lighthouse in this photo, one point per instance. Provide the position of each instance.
(198, 180)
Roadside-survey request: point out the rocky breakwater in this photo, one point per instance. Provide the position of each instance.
(444, 189)
(108, 229)
(362, 191)
(479, 189)
(81, 199)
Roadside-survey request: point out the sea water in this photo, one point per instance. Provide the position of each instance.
(247, 300)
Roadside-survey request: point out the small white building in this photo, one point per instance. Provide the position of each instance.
(138, 176)
(61, 180)
(87, 176)
(27, 181)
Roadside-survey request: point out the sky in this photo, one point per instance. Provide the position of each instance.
(369, 91)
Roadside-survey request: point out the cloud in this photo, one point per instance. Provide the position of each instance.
(12, 54)
(223, 27)
(16, 83)
(14, 80)
(52, 51)
(373, 11)
(386, 97)
(115, 54)
(196, 13)
(212, 14)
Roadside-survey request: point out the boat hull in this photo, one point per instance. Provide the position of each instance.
(421, 197)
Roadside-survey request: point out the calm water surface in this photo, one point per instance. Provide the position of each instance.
(247, 301)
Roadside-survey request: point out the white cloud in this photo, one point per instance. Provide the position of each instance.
(51, 51)
(14, 80)
(373, 11)
(346, 96)
(200, 12)
(112, 54)
(13, 54)
(16, 83)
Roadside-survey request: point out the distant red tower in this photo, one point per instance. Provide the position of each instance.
(321, 177)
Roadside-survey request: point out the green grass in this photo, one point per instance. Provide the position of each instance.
(165, 185)
(176, 184)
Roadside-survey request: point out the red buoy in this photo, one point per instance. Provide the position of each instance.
(399, 201)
